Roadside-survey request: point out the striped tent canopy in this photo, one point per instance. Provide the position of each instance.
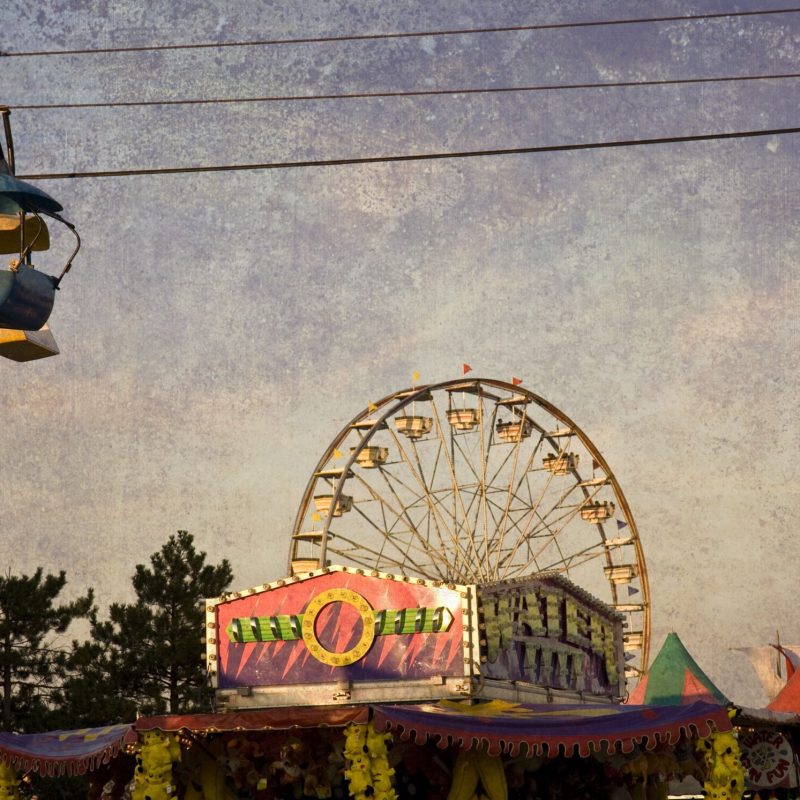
(675, 678)
(71, 752)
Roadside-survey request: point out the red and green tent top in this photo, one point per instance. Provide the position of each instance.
(675, 678)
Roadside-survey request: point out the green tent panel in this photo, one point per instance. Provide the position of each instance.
(675, 678)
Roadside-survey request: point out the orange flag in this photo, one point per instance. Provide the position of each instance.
(516, 381)
(467, 368)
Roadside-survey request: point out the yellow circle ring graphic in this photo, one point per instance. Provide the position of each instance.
(365, 612)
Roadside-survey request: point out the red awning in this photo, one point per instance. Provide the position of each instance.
(64, 752)
(512, 728)
(273, 719)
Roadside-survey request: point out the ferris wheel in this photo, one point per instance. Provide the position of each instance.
(475, 481)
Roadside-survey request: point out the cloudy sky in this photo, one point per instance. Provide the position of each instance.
(218, 329)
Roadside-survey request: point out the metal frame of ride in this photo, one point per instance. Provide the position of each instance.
(432, 482)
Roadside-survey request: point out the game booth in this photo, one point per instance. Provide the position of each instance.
(343, 684)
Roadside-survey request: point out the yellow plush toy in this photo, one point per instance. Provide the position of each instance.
(359, 775)
(724, 771)
(153, 776)
(9, 782)
(368, 769)
(376, 742)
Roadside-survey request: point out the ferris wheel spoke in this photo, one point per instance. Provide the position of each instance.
(436, 460)
(357, 553)
(419, 477)
(387, 536)
(477, 507)
(440, 501)
(522, 418)
(525, 473)
(530, 532)
(552, 534)
(425, 500)
(482, 544)
(398, 514)
(583, 557)
(458, 502)
(515, 524)
(436, 555)
(484, 465)
(546, 518)
(526, 533)
(533, 533)
(403, 541)
(570, 511)
(493, 447)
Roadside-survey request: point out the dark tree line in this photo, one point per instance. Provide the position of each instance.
(142, 657)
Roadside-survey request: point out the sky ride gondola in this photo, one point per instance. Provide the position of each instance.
(27, 295)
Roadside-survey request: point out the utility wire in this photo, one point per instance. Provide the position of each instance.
(409, 93)
(409, 35)
(336, 162)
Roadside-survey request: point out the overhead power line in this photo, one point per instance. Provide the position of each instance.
(403, 93)
(336, 162)
(398, 35)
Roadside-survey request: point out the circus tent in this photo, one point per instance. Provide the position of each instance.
(675, 678)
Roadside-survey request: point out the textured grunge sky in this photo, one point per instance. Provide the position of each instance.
(218, 330)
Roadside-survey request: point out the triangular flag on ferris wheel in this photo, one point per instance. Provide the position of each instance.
(621, 524)
(336, 454)
(595, 465)
(516, 381)
(371, 407)
(415, 377)
(632, 590)
(466, 368)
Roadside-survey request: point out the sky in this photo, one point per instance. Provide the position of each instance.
(217, 330)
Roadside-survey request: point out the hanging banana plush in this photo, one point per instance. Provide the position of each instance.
(475, 767)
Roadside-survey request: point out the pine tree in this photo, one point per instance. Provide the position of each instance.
(29, 654)
(146, 656)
